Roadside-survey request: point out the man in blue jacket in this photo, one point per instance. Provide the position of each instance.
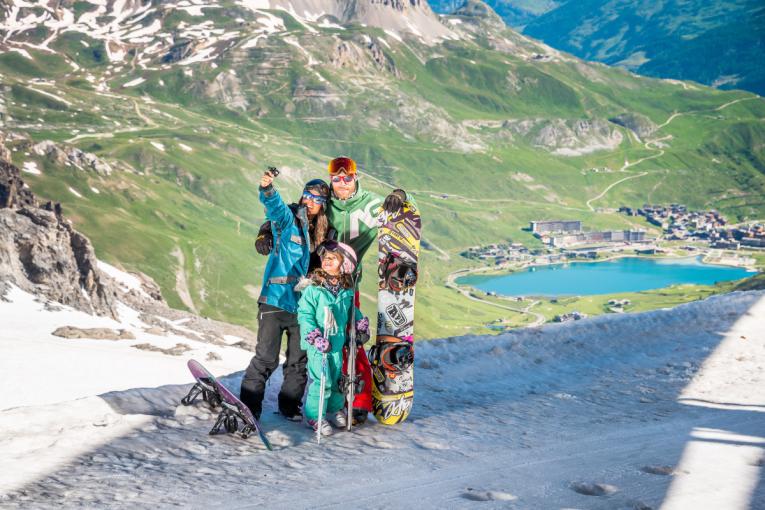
(297, 230)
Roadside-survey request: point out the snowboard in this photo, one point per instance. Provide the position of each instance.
(392, 356)
(232, 409)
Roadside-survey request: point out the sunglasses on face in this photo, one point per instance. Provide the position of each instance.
(344, 178)
(314, 198)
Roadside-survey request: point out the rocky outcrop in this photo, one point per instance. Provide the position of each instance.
(42, 254)
(179, 51)
(226, 89)
(13, 192)
(177, 350)
(71, 332)
(578, 137)
(72, 156)
(565, 137)
(638, 124)
(479, 14)
(363, 54)
(5, 154)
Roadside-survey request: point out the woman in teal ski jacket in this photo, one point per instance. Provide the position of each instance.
(298, 229)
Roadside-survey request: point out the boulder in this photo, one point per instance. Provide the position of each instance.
(72, 332)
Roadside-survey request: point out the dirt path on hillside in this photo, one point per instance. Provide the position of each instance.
(452, 284)
(181, 283)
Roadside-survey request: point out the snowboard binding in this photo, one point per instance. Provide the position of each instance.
(229, 419)
(397, 274)
(205, 388)
(345, 381)
(232, 409)
(394, 356)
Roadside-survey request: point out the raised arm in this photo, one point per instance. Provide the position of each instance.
(276, 210)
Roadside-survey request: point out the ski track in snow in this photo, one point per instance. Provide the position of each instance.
(630, 411)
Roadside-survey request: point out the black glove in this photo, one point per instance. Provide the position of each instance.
(265, 240)
(394, 201)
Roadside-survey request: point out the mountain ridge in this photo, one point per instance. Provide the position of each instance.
(489, 129)
(718, 44)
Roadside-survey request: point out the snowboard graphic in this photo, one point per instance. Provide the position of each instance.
(232, 409)
(392, 356)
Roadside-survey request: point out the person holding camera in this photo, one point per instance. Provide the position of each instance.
(296, 230)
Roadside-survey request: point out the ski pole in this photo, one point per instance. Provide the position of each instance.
(330, 328)
(351, 366)
(321, 395)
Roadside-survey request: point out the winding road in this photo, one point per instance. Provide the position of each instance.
(660, 152)
(452, 284)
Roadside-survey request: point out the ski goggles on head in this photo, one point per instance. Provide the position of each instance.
(317, 199)
(342, 165)
(344, 178)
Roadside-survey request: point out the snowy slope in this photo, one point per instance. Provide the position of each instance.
(46, 369)
(661, 409)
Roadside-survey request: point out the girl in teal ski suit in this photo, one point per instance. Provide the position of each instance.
(323, 314)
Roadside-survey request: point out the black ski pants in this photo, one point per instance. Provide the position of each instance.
(272, 322)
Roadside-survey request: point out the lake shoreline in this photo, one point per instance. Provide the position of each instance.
(492, 273)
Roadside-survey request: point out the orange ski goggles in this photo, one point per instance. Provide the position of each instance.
(342, 165)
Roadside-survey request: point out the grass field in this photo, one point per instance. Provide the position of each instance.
(461, 125)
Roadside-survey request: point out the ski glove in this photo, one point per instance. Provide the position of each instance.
(362, 331)
(316, 339)
(264, 243)
(395, 201)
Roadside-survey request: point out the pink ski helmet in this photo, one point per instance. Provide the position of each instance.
(345, 251)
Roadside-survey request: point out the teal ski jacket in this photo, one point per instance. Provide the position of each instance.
(289, 258)
(312, 314)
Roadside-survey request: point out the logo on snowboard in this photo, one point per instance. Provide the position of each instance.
(396, 315)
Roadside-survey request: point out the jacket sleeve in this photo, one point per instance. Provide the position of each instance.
(307, 315)
(276, 210)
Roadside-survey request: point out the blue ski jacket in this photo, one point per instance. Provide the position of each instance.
(288, 261)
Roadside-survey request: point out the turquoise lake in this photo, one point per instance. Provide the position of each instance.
(628, 274)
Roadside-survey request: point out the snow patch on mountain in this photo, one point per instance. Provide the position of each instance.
(31, 167)
(134, 83)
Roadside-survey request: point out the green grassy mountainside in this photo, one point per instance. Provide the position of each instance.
(489, 130)
(718, 43)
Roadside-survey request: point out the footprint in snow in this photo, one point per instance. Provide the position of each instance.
(593, 489)
(279, 438)
(658, 470)
(432, 445)
(376, 443)
(194, 448)
(480, 495)
(295, 465)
